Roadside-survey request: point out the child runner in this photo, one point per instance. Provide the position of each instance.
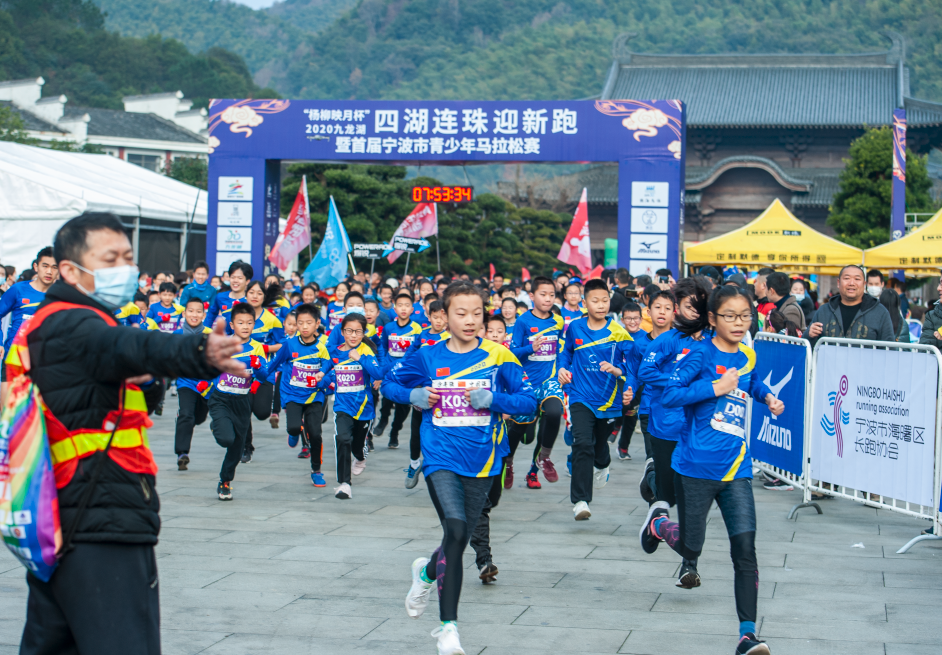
(200, 287)
(335, 308)
(351, 368)
(572, 308)
(508, 311)
(192, 394)
(496, 331)
(230, 408)
(536, 342)
(428, 337)
(300, 360)
(166, 315)
(712, 383)
(397, 338)
(594, 363)
(463, 386)
(239, 275)
(631, 321)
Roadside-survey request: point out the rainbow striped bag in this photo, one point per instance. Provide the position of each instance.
(29, 503)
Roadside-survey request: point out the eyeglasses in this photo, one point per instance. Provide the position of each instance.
(731, 318)
(353, 333)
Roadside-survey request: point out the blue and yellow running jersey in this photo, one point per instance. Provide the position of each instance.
(299, 362)
(253, 356)
(455, 436)
(582, 355)
(352, 381)
(129, 315)
(268, 330)
(165, 319)
(188, 383)
(540, 366)
(20, 301)
(714, 445)
(658, 362)
(220, 308)
(570, 315)
(427, 338)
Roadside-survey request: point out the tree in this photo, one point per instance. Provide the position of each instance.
(72, 146)
(861, 211)
(12, 127)
(190, 170)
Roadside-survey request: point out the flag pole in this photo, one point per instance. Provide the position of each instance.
(438, 255)
(406, 272)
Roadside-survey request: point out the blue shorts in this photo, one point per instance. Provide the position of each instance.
(549, 389)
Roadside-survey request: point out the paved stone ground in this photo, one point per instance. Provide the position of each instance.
(287, 568)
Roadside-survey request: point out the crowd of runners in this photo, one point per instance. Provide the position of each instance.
(484, 366)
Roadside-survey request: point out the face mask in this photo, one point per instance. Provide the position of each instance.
(875, 291)
(114, 287)
(355, 310)
(799, 296)
(142, 284)
(217, 287)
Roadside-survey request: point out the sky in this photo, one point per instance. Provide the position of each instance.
(255, 4)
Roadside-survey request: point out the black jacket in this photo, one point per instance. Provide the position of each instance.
(872, 321)
(78, 363)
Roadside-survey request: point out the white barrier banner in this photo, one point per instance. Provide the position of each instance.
(873, 421)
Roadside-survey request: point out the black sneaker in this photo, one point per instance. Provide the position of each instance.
(688, 578)
(393, 443)
(750, 644)
(182, 461)
(159, 410)
(224, 490)
(649, 540)
(778, 485)
(645, 487)
(369, 443)
(379, 429)
(488, 573)
(246, 456)
(929, 530)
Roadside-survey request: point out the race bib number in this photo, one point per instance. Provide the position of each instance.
(399, 344)
(167, 326)
(453, 409)
(730, 413)
(234, 384)
(334, 319)
(350, 378)
(546, 351)
(302, 375)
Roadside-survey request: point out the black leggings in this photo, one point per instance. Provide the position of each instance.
(458, 500)
(524, 433)
(481, 537)
(349, 437)
(261, 409)
(663, 489)
(550, 417)
(308, 418)
(415, 440)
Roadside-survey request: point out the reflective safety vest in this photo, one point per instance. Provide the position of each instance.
(129, 447)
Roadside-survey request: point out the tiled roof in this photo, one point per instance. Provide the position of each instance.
(132, 125)
(823, 189)
(922, 112)
(32, 121)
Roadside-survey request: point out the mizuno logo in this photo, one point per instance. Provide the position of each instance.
(777, 388)
(649, 245)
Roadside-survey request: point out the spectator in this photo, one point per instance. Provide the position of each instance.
(932, 325)
(851, 314)
(875, 282)
(890, 300)
(779, 293)
(800, 290)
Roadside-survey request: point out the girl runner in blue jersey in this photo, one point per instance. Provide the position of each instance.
(713, 383)
(462, 386)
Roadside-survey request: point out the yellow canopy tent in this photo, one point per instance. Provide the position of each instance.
(777, 239)
(919, 252)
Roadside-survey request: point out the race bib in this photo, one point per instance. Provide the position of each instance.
(546, 351)
(234, 384)
(730, 413)
(334, 319)
(350, 378)
(167, 326)
(399, 344)
(302, 374)
(453, 409)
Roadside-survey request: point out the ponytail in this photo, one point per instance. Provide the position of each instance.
(697, 289)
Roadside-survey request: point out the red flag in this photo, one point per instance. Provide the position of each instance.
(576, 249)
(421, 222)
(594, 273)
(297, 234)
(493, 272)
(524, 274)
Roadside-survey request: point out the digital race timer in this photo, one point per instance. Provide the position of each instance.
(442, 193)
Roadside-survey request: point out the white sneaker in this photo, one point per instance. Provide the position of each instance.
(343, 491)
(417, 598)
(359, 465)
(448, 643)
(601, 478)
(581, 511)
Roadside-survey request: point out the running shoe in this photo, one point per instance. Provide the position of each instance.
(688, 578)
(293, 440)
(369, 443)
(305, 453)
(488, 572)
(448, 642)
(273, 421)
(646, 492)
(581, 511)
(929, 530)
(750, 644)
(393, 444)
(159, 410)
(343, 492)
(613, 436)
(412, 476)
(379, 429)
(224, 490)
(417, 598)
(173, 390)
(649, 539)
(549, 471)
(246, 456)
(318, 479)
(533, 482)
(509, 475)
(778, 485)
(601, 477)
(623, 455)
(358, 466)
(182, 461)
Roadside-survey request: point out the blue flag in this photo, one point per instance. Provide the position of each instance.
(329, 265)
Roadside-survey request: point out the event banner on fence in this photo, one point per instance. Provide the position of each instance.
(779, 441)
(873, 421)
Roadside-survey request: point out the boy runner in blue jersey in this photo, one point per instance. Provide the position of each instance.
(463, 386)
(230, 407)
(191, 394)
(21, 300)
(713, 384)
(398, 337)
(594, 364)
(166, 315)
(537, 340)
(631, 320)
(239, 275)
(200, 287)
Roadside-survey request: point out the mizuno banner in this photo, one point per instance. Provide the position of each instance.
(779, 441)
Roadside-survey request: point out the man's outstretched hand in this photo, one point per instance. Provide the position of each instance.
(220, 348)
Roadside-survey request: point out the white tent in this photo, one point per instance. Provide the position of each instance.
(40, 189)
